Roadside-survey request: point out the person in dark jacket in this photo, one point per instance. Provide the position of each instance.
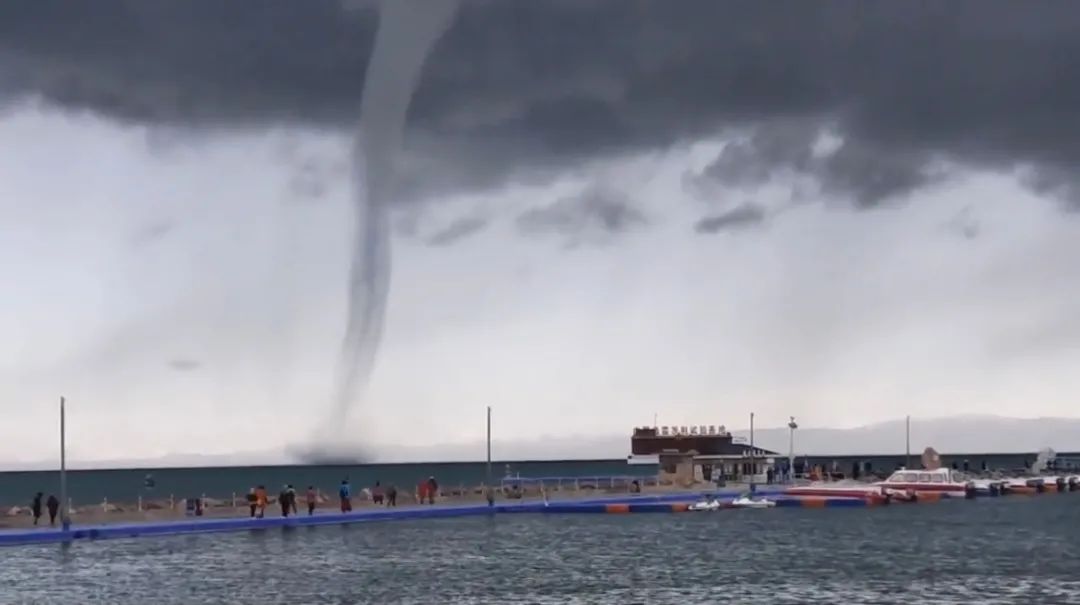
(292, 497)
(283, 500)
(54, 507)
(35, 507)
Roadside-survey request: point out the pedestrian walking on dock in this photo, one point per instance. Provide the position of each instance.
(54, 506)
(345, 495)
(283, 501)
(391, 496)
(432, 489)
(377, 494)
(292, 497)
(260, 501)
(35, 507)
(253, 501)
(311, 500)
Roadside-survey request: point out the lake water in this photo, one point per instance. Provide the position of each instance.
(1001, 550)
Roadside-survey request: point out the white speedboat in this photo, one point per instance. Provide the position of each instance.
(988, 487)
(750, 502)
(709, 504)
(932, 481)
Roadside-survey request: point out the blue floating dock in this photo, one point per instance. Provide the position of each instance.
(205, 525)
(652, 503)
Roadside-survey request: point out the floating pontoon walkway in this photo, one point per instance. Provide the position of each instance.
(653, 503)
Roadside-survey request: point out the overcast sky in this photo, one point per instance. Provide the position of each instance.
(845, 211)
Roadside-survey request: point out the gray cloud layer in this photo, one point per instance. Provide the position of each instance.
(740, 217)
(518, 86)
(596, 209)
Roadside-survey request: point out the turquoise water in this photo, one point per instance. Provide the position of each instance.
(127, 485)
(999, 550)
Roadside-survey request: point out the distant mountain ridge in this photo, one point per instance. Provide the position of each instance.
(950, 435)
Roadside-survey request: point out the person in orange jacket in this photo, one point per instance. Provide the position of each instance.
(260, 501)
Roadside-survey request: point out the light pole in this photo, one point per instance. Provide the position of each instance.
(65, 522)
(907, 443)
(490, 488)
(753, 461)
(791, 448)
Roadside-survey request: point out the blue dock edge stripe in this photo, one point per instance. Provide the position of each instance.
(645, 503)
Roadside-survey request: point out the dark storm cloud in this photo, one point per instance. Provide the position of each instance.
(541, 85)
(153, 232)
(964, 224)
(747, 215)
(457, 231)
(867, 174)
(185, 365)
(596, 210)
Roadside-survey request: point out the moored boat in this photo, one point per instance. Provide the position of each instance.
(842, 489)
(942, 482)
(708, 504)
(1054, 484)
(930, 482)
(1022, 485)
(988, 487)
(751, 502)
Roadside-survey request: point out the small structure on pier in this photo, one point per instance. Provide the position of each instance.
(704, 453)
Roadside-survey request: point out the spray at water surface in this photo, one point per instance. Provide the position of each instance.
(408, 29)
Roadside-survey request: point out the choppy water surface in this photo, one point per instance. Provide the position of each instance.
(1022, 550)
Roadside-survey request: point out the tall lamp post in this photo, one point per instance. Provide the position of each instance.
(907, 442)
(490, 487)
(753, 460)
(791, 448)
(65, 522)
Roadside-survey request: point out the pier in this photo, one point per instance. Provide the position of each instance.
(676, 502)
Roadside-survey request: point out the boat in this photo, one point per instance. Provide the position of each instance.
(1022, 485)
(708, 504)
(839, 489)
(943, 482)
(903, 485)
(988, 487)
(1054, 484)
(745, 501)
